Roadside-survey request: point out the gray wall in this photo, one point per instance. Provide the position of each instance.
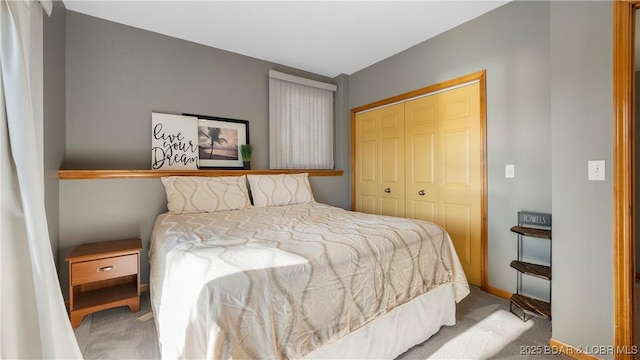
(115, 77)
(549, 111)
(581, 118)
(512, 44)
(54, 113)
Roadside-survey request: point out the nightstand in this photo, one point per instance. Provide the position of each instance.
(104, 275)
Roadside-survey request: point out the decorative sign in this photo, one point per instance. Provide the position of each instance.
(174, 142)
(533, 219)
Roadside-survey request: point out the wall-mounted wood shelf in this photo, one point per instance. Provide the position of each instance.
(148, 174)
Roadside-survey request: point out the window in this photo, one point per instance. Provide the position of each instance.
(300, 122)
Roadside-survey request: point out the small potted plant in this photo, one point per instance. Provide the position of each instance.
(245, 151)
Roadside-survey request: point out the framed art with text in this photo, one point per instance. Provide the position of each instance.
(174, 142)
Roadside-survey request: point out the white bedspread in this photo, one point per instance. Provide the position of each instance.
(280, 282)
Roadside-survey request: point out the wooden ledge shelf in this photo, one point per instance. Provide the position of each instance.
(149, 174)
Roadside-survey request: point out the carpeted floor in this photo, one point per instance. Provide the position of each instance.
(115, 334)
(485, 330)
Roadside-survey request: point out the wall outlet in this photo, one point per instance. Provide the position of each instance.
(509, 171)
(596, 170)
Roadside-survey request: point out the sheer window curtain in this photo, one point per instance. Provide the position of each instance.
(300, 123)
(32, 312)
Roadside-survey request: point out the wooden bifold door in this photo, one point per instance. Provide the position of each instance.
(421, 159)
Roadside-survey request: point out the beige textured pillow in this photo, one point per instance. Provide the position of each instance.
(283, 189)
(195, 194)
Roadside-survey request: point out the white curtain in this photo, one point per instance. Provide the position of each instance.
(300, 123)
(32, 312)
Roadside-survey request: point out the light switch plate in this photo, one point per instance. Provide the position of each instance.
(510, 171)
(596, 170)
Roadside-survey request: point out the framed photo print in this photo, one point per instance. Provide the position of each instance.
(219, 141)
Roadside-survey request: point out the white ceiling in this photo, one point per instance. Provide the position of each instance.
(324, 37)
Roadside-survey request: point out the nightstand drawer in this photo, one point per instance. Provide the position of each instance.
(104, 269)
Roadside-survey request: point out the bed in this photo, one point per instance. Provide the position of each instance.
(283, 276)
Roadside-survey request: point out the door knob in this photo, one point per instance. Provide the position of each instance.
(422, 193)
(387, 190)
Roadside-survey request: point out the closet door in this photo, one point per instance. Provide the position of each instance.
(427, 154)
(460, 175)
(379, 138)
(421, 160)
(443, 181)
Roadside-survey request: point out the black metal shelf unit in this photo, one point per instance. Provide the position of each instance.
(535, 225)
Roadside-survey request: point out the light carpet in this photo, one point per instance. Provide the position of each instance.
(485, 329)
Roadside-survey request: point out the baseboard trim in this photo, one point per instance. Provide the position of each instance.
(499, 292)
(558, 347)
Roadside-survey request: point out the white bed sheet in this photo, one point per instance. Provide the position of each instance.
(295, 281)
(397, 331)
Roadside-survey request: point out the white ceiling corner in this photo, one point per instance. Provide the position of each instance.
(324, 37)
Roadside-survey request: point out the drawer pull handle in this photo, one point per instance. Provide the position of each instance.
(106, 268)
